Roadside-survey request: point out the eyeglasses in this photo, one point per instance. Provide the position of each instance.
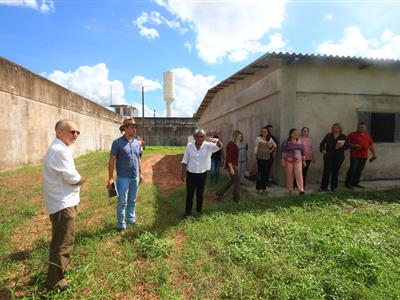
(77, 132)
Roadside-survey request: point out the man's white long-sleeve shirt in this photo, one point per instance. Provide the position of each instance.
(60, 178)
(199, 161)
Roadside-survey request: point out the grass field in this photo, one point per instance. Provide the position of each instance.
(322, 246)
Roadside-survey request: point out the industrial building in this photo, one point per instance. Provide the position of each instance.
(291, 90)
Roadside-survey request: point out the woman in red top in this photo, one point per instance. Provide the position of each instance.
(231, 164)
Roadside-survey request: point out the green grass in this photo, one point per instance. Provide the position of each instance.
(165, 149)
(323, 246)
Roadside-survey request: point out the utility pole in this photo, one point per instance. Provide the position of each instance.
(110, 94)
(154, 113)
(143, 133)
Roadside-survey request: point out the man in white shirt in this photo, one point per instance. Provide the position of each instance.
(61, 189)
(195, 164)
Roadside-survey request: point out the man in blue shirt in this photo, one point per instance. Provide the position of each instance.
(125, 154)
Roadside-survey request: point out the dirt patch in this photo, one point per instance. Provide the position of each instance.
(27, 180)
(179, 275)
(25, 235)
(164, 171)
(21, 186)
(371, 206)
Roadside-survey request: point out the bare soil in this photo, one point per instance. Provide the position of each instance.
(164, 171)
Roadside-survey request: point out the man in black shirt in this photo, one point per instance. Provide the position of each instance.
(270, 128)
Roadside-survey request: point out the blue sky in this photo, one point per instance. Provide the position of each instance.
(90, 46)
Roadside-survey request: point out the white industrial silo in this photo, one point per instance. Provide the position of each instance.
(169, 90)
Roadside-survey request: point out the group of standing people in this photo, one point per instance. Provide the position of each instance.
(296, 154)
(62, 181)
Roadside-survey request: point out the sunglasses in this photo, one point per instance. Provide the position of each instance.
(77, 132)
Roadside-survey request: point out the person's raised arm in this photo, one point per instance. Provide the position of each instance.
(217, 142)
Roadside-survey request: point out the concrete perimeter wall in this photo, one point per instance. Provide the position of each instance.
(30, 105)
(167, 131)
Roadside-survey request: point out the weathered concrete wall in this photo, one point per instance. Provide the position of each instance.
(30, 105)
(336, 93)
(248, 105)
(319, 111)
(167, 131)
(314, 94)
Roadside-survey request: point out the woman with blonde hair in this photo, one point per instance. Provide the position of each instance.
(332, 146)
(231, 164)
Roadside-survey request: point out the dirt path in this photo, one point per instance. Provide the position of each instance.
(164, 171)
(161, 170)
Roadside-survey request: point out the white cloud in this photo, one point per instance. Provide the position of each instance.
(149, 85)
(154, 18)
(228, 28)
(328, 18)
(276, 43)
(355, 43)
(43, 6)
(47, 6)
(148, 112)
(92, 83)
(189, 91)
(188, 46)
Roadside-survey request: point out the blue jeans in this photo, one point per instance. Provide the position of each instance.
(127, 190)
(214, 172)
(356, 167)
(242, 169)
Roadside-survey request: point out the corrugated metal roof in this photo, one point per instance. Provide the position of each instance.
(271, 60)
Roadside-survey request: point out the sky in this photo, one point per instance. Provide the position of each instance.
(107, 50)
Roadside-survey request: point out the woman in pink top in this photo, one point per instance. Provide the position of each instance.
(292, 160)
(308, 151)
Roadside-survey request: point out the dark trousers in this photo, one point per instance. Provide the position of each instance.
(304, 171)
(194, 183)
(354, 172)
(235, 181)
(264, 168)
(332, 166)
(62, 243)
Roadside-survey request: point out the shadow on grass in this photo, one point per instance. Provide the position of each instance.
(170, 208)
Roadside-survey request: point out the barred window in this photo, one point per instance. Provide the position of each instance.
(384, 127)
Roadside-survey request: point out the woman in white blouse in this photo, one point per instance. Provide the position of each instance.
(195, 164)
